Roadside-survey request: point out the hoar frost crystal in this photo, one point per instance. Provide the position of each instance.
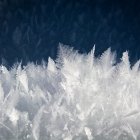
(76, 97)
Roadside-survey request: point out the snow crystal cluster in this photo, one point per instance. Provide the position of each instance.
(76, 97)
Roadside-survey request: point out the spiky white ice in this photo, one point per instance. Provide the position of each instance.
(77, 97)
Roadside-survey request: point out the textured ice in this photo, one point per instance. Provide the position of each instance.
(76, 97)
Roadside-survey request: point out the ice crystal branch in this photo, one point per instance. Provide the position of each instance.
(76, 97)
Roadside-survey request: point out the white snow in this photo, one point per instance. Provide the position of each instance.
(76, 97)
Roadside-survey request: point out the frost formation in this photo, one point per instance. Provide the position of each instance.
(76, 97)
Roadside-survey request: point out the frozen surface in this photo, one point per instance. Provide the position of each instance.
(76, 97)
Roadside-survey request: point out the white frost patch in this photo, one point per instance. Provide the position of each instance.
(76, 97)
(13, 115)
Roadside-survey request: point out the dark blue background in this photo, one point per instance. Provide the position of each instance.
(30, 30)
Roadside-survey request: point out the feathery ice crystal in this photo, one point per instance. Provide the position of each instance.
(76, 97)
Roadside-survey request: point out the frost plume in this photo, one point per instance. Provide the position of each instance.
(76, 97)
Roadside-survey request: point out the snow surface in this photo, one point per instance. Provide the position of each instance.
(76, 97)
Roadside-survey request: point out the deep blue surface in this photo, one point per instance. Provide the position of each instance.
(30, 30)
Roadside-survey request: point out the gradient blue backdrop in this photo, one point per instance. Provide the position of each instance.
(30, 30)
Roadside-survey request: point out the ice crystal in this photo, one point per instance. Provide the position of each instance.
(76, 97)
